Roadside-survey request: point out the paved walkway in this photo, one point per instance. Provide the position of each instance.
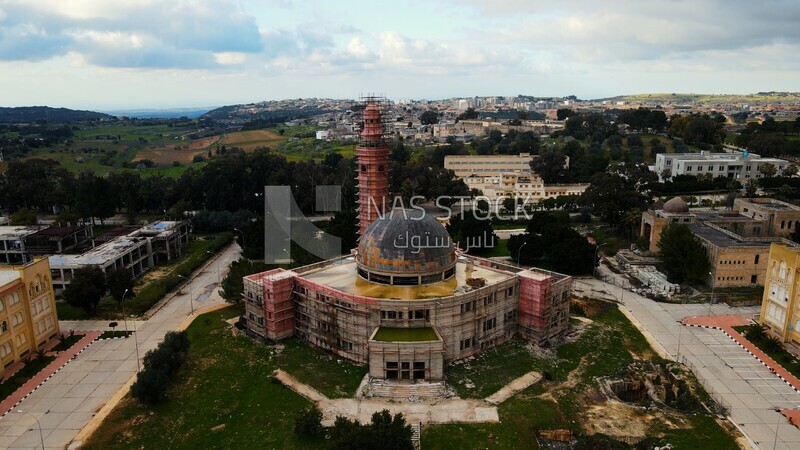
(37, 380)
(445, 410)
(70, 398)
(726, 370)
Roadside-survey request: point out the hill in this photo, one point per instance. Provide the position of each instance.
(33, 114)
(761, 98)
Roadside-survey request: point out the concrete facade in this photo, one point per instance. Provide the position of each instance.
(486, 165)
(27, 310)
(327, 309)
(524, 186)
(736, 166)
(780, 308)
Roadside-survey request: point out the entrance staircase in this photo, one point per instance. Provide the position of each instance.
(407, 390)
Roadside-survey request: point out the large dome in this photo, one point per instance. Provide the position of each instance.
(676, 206)
(406, 247)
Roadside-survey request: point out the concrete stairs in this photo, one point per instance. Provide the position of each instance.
(416, 430)
(407, 390)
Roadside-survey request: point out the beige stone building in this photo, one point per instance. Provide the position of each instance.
(780, 308)
(27, 310)
(736, 241)
(488, 165)
(525, 186)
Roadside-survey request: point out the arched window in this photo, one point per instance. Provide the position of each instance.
(363, 168)
(380, 168)
(782, 273)
(3, 327)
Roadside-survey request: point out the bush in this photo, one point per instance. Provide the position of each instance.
(308, 422)
(160, 366)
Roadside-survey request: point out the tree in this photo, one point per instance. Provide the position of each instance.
(768, 169)
(429, 117)
(308, 422)
(23, 216)
(471, 234)
(469, 114)
(118, 281)
(232, 285)
(550, 166)
(619, 189)
(682, 255)
(159, 367)
(563, 113)
(384, 432)
(86, 289)
(751, 188)
(790, 170)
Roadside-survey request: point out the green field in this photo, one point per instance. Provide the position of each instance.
(225, 396)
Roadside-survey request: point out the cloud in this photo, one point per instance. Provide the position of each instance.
(190, 31)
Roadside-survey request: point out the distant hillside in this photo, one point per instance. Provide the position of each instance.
(32, 114)
(761, 98)
(267, 112)
(169, 113)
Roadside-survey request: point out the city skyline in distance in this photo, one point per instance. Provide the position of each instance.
(89, 54)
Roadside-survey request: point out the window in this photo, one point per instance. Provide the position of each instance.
(467, 307)
(3, 327)
(510, 291)
(489, 324)
(13, 299)
(753, 279)
(22, 339)
(756, 260)
(5, 349)
(1, 304)
(363, 168)
(16, 319)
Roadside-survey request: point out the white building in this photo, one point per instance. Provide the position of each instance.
(526, 186)
(737, 166)
(323, 135)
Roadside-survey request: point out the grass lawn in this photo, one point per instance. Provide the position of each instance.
(606, 346)
(387, 334)
(225, 396)
(774, 351)
(30, 369)
(68, 342)
(498, 250)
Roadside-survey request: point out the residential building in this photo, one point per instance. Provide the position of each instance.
(737, 166)
(27, 310)
(488, 165)
(780, 307)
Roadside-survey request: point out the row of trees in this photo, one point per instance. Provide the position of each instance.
(549, 241)
(385, 432)
(89, 285)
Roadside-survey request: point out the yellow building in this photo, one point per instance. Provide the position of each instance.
(27, 309)
(780, 309)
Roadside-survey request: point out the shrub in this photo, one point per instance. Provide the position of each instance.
(160, 366)
(308, 422)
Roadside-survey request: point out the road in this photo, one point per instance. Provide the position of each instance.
(67, 401)
(726, 370)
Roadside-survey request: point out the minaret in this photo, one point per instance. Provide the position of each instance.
(372, 154)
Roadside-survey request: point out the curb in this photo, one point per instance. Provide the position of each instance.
(795, 389)
(46, 379)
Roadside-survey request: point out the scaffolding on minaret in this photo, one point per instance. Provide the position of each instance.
(372, 155)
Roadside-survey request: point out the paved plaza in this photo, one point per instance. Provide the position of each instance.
(70, 398)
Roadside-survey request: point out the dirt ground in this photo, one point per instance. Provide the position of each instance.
(252, 139)
(185, 151)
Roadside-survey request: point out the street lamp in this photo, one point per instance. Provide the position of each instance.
(219, 279)
(124, 318)
(41, 435)
(519, 252)
(242, 233)
(594, 261)
(191, 299)
(136, 341)
(711, 300)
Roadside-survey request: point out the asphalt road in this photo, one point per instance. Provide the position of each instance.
(67, 401)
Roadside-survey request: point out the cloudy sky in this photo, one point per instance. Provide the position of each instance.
(107, 54)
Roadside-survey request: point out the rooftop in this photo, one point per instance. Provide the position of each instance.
(8, 276)
(341, 275)
(11, 232)
(57, 232)
(722, 239)
(98, 255)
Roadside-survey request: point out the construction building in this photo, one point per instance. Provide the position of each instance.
(139, 250)
(406, 302)
(372, 154)
(737, 241)
(780, 308)
(12, 243)
(27, 310)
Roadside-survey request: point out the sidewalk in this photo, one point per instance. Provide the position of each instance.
(37, 380)
(726, 324)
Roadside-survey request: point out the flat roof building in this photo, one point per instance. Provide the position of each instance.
(737, 166)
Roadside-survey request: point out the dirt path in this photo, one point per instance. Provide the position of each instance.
(512, 388)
